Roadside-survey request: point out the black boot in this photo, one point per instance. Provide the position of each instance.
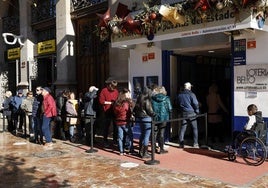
(145, 153)
(141, 151)
(161, 145)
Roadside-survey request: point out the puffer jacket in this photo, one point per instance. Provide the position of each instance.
(161, 106)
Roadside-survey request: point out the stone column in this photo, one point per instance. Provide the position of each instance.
(27, 50)
(66, 65)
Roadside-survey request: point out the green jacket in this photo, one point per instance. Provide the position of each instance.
(161, 106)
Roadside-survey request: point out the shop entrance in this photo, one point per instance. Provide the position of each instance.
(202, 71)
(46, 72)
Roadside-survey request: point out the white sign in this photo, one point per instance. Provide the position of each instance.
(251, 77)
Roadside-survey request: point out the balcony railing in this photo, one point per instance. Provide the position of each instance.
(43, 10)
(78, 4)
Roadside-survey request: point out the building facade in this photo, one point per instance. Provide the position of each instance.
(72, 44)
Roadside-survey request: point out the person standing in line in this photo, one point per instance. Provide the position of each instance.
(189, 108)
(108, 96)
(89, 110)
(61, 100)
(162, 107)
(7, 110)
(37, 116)
(122, 111)
(72, 116)
(144, 113)
(17, 113)
(216, 108)
(49, 111)
(27, 106)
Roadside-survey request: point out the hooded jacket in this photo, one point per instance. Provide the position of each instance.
(161, 106)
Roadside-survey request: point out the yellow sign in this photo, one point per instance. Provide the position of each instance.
(13, 53)
(45, 47)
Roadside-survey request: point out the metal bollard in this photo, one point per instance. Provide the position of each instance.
(152, 161)
(91, 150)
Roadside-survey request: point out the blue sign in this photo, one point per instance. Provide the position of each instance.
(239, 52)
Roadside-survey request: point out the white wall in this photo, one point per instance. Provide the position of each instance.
(258, 55)
(150, 68)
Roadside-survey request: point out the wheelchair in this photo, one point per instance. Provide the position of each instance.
(251, 145)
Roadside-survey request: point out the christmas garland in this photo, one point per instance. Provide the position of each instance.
(149, 20)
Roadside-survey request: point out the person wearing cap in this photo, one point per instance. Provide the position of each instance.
(49, 111)
(189, 108)
(108, 96)
(90, 110)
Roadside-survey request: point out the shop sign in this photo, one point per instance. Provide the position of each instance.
(251, 44)
(148, 56)
(46, 47)
(251, 77)
(239, 53)
(13, 53)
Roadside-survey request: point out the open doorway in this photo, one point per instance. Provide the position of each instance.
(46, 72)
(202, 71)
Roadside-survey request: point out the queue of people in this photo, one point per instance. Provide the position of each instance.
(113, 112)
(40, 111)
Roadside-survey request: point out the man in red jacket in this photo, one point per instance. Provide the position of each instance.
(108, 96)
(49, 111)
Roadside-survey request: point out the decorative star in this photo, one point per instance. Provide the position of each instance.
(104, 18)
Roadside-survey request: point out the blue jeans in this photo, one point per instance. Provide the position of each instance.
(125, 137)
(78, 130)
(193, 122)
(145, 126)
(46, 128)
(37, 125)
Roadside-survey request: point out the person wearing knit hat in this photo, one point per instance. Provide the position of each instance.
(46, 89)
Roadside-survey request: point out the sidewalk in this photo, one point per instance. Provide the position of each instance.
(24, 164)
(69, 165)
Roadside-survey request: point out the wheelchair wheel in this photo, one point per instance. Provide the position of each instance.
(253, 151)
